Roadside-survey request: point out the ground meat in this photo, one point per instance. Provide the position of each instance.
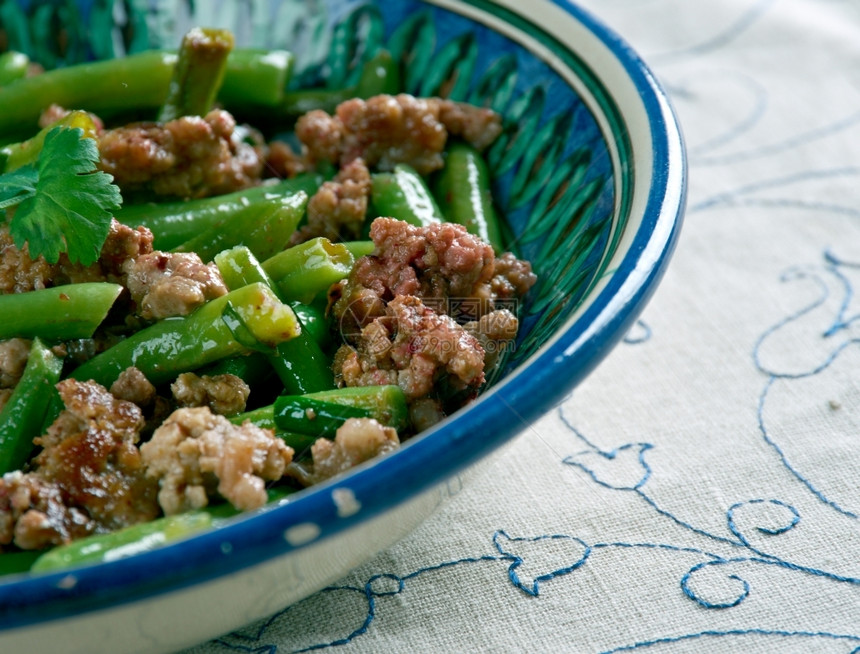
(477, 125)
(495, 332)
(19, 273)
(412, 347)
(5, 394)
(512, 277)
(282, 161)
(35, 516)
(196, 452)
(386, 130)
(424, 413)
(187, 157)
(223, 394)
(133, 386)
(14, 353)
(356, 441)
(337, 210)
(435, 263)
(87, 478)
(451, 270)
(171, 284)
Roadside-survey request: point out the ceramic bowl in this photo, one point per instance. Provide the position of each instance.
(590, 173)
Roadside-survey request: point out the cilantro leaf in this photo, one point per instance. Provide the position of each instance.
(17, 185)
(69, 209)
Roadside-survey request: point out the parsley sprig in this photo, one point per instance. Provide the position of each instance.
(63, 203)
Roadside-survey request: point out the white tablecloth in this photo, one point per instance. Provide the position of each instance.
(699, 492)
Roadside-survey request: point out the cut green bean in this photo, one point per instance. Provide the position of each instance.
(305, 270)
(404, 195)
(252, 368)
(143, 537)
(264, 418)
(57, 313)
(313, 322)
(256, 78)
(124, 542)
(264, 227)
(360, 249)
(13, 66)
(174, 223)
(138, 82)
(307, 415)
(379, 75)
(239, 267)
(174, 345)
(300, 362)
(463, 192)
(198, 73)
(22, 416)
(387, 404)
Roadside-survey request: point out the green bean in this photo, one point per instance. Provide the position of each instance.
(22, 416)
(173, 223)
(16, 155)
(299, 362)
(58, 313)
(264, 227)
(142, 537)
(385, 403)
(404, 195)
(138, 82)
(379, 75)
(124, 542)
(360, 249)
(253, 368)
(313, 322)
(174, 345)
(239, 267)
(13, 66)
(306, 415)
(264, 418)
(256, 78)
(305, 270)
(198, 73)
(463, 192)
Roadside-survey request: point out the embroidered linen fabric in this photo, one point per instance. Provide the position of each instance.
(698, 493)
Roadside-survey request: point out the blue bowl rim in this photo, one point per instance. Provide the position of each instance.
(432, 458)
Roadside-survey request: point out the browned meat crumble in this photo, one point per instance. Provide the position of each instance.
(356, 441)
(165, 284)
(412, 347)
(337, 210)
(196, 454)
(13, 359)
(19, 273)
(451, 270)
(386, 130)
(223, 394)
(88, 478)
(189, 157)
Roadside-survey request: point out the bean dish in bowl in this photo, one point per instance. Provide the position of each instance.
(273, 273)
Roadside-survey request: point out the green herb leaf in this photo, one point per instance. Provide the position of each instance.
(17, 186)
(70, 206)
